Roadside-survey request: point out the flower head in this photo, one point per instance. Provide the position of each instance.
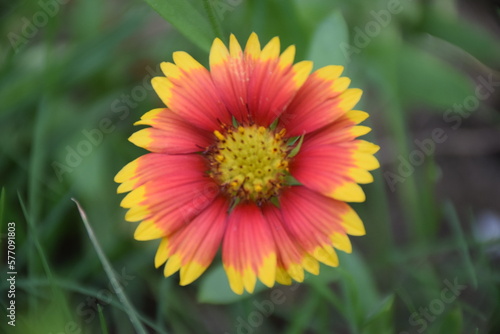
(257, 155)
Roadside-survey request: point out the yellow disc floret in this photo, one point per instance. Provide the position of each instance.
(249, 162)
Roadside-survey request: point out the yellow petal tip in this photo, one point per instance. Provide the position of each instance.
(148, 230)
(349, 192)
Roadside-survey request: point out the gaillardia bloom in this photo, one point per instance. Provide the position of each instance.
(257, 155)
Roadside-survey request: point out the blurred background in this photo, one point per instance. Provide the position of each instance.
(74, 77)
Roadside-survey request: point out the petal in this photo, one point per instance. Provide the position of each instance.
(139, 171)
(356, 116)
(322, 99)
(332, 162)
(274, 82)
(193, 248)
(170, 134)
(153, 166)
(335, 170)
(282, 276)
(317, 223)
(168, 192)
(343, 129)
(292, 258)
(252, 48)
(248, 250)
(190, 93)
(256, 86)
(231, 74)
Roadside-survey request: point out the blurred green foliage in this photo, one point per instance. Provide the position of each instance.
(74, 77)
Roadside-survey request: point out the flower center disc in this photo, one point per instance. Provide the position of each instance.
(250, 163)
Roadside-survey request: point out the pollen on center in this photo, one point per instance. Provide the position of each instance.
(249, 162)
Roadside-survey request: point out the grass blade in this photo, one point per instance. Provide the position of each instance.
(35, 174)
(56, 291)
(452, 215)
(34, 238)
(70, 286)
(2, 207)
(129, 309)
(104, 328)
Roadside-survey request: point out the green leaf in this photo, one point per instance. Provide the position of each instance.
(236, 124)
(297, 147)
(320, 283)
(311, 12)
(360, 292)
(358, 274)
(327, 41)
(452, 322)
(186, 18)
(291, 181)
(426, 80)
(326, 276)
(209, 9)
(381, 320)
(90, 56)
(215, 288)
(304, 315)
(470, 37)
